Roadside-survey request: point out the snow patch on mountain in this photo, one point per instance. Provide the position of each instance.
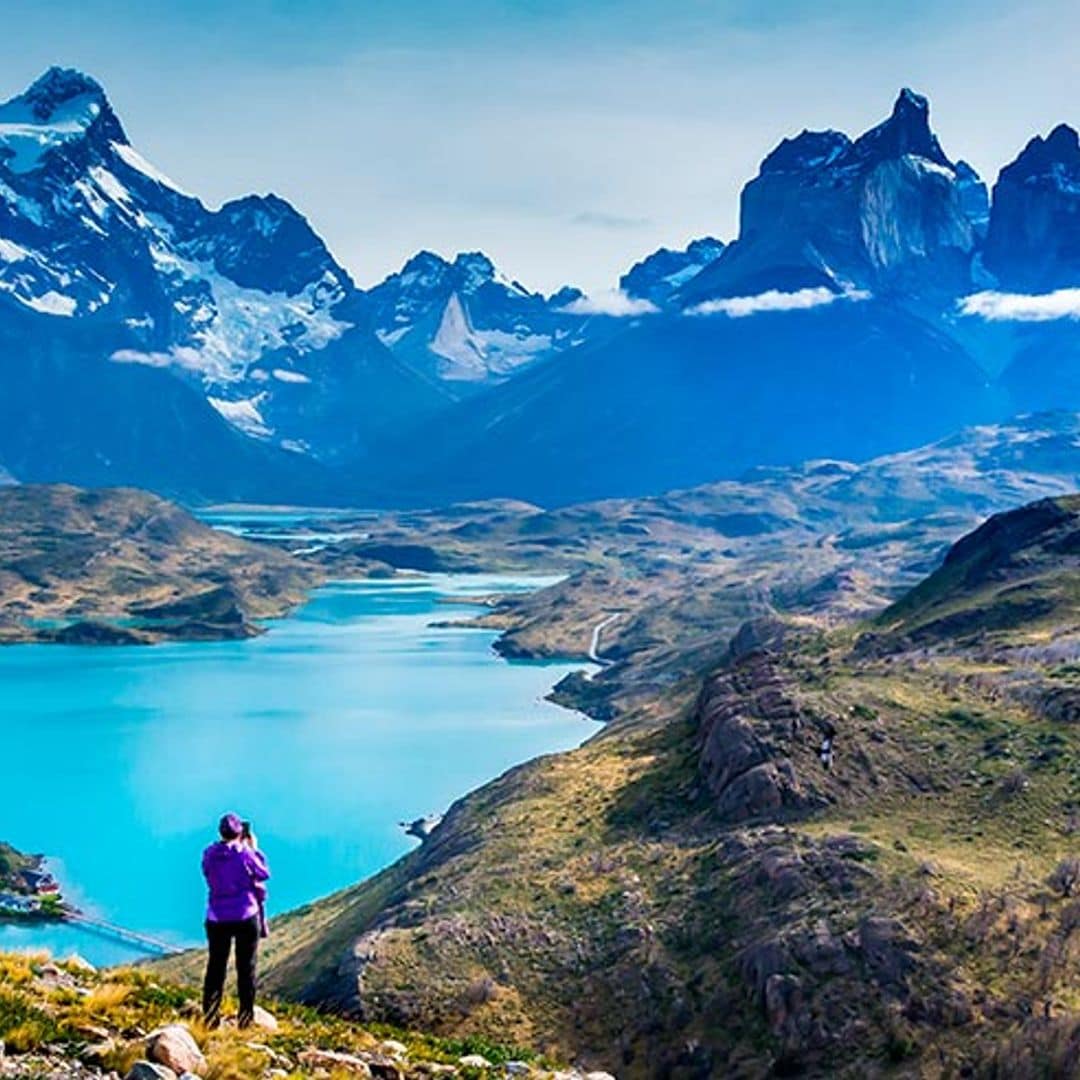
(26, 138)
(232, 326)
(244, 415)
(472, 354)
(134, 160)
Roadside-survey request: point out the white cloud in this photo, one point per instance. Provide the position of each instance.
(613, 302)
(182, 356)
(737, 307)
(602, 219)
(1022, 307)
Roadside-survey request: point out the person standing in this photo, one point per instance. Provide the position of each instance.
(234, 869)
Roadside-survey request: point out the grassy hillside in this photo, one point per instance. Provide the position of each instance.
(116, 564)
(1015, 575)
(693, 893)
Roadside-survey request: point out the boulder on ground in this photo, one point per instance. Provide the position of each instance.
(265, 1020)
(175, 1047)
(149, 1070)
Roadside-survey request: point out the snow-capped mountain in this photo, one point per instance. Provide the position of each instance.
(873, 298)
(466, 324)
(244, 302)
(1034, 239)
(888, 212)
(659, 276)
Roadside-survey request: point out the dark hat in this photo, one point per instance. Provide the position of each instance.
(230, 827)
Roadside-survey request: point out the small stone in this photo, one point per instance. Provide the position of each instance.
(51, 977)
(331, 1059)
(265, 1020)
(174, 1046)
(599, 1076)
(93, 1031)
(394, 1048)
(518, 1068)
(383, 1067)
(96, 1053)
(474, 1061)
(273, 1055)
(150, 1070)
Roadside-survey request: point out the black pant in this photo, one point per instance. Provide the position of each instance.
(220, 936)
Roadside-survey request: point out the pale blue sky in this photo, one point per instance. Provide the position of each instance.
(565, 139)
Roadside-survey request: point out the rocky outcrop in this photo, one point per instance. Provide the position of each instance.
(885, 212)
(1034, 240)
(747, 727)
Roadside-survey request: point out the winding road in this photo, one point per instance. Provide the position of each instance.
(594, 644)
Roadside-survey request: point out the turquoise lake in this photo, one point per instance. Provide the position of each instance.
(348, 716)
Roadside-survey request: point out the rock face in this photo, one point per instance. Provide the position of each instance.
(886, 211)
(1034, 239)
(465, 324)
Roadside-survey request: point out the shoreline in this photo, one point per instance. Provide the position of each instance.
(443, 586)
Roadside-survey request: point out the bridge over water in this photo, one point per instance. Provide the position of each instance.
(154, 946)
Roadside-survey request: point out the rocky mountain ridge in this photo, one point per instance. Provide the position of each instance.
(869, 273)
(857, 313)
(465, 324)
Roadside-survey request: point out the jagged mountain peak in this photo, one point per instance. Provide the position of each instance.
(264, 242)
(658, 276)
(271, 209)
(62, 106)
(1033, 244)
(427, 271)
(906, 131)
(807, 150)
(886, 212)
(57, 85)
(1060, 148)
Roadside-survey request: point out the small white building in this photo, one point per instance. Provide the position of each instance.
(19, 905)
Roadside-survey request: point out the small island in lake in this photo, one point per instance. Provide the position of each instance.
(27, 889)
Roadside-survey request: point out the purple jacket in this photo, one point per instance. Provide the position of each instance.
(234, 873)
